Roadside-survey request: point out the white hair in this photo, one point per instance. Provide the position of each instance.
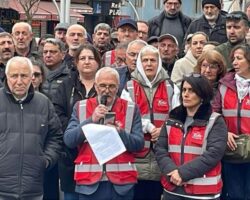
(79, 26)
(23, 24)
(18, 59)
(138, 41)
(107, 70)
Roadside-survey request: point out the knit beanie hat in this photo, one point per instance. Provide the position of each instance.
(214, 2)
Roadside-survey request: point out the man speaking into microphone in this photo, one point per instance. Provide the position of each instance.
(116, 178)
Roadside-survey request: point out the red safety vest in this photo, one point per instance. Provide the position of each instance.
(194, 145)
(157, 113)
(121, 169)
(109, 58)
(236, 114)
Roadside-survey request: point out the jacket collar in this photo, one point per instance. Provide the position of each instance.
(201, 116)
(8, 93)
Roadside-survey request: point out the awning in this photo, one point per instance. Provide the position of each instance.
(46, 11)
(81, 8)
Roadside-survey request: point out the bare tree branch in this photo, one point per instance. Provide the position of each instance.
(30, 8)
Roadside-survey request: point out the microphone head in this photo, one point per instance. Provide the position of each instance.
(104, 99)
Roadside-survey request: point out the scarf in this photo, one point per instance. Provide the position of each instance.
(243, 87)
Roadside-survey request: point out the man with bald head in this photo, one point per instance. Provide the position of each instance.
(76, 35)
(31, 135)
(25, 45)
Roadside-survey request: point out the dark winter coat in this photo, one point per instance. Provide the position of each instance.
(30, 141)
(69, 92)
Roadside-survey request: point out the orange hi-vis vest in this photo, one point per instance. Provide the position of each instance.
(121, 169)
(157, 113)
(183, 149)
(236, 113)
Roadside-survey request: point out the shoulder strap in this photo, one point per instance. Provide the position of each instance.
(82, 110)
(129, 116)
(209, 126)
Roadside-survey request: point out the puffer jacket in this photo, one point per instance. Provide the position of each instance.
(54, 79)
(30, 140)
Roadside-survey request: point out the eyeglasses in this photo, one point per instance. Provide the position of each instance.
(210, 66)
(36, 74)
(195, 75)
(236, 17)
(103, 87)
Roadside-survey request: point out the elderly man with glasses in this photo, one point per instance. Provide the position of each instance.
(116, 178)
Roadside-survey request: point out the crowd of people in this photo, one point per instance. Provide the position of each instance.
(180, 91)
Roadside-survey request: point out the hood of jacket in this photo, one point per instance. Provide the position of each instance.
(229, 81)
(141, 77)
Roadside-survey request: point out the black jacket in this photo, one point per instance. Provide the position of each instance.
(54, 79)
(216, 144)
(69, 92)
(30, 139)
(218, 33)
(156, 23)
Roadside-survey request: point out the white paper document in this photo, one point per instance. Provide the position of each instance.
(104, 141)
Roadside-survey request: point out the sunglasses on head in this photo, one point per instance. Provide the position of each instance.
(235, 17)
(195, 75)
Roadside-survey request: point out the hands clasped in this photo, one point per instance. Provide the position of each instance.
(175, 177)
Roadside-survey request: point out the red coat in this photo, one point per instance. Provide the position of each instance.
(183, 149)
(157, 113)
(121, 169)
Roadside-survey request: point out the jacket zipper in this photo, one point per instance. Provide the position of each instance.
(239, 117)
(21, 151)
(182, 144)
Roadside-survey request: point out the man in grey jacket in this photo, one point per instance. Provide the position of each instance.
(30, 134)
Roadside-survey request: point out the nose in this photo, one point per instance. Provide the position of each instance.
(235, 62)
(207, 69)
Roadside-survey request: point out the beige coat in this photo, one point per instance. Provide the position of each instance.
(183, 67)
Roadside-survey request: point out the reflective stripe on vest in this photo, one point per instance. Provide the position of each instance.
(205, 180)
(169, 87)
(82, 110)
(157, 116)
(195, 150)
(170, 93)
(129, 114)
(231, 112)
(234, 112)
(108, 58)
(109, 167)
(147, 144)
(187, 149)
